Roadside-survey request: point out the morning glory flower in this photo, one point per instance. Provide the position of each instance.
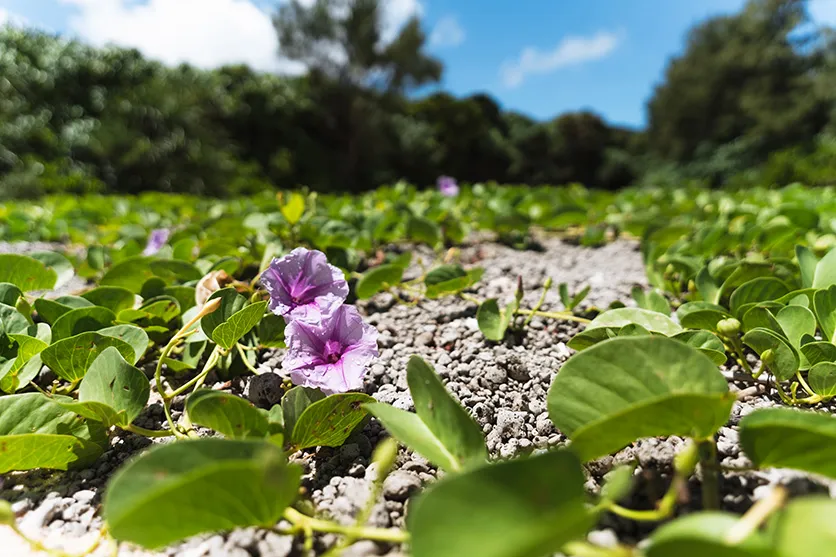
(303, 285)
(448, 186)
(332, 355)
(156, 240)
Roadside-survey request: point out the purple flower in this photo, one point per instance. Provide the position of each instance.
(302, 285)
(156, 240)
(333, 355)
(448, 186)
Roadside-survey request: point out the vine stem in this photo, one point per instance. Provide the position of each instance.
(710, 477)
(565, 316)
(663, 510)
(148, 432)
(756, 515)
(308, 524)
(539, 303)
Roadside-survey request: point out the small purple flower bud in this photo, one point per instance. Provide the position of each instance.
(448, 186)
(332, 355)
(156, 240)
(303, 285)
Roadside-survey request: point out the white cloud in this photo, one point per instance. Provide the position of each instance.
(7, 17)
(571, 51)
(447, 32)
(205, 33)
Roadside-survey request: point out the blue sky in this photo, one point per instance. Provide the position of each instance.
(539, 57)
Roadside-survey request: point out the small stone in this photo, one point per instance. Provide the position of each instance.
(275, 545)
(424, 339)
(265, 389)
(84, 496)
(400, 485)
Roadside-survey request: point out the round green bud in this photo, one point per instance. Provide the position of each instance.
(7, 515)
(768, 357)
(728, 327)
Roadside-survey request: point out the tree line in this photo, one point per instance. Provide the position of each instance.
(750, 99)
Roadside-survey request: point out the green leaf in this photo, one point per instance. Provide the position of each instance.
(701, 315)
(62, 266)
(822, 379)
(113, 298)
(650, 320)
(704, 534)
(17, 371)
(528, 507)
(824, 302)
(423, 230)
(113, 391)
(223, 483)
(51, 310)
(70, 358)
(759, 317)
(787, 438)
(581, 296)
(454, 285)
(807, 263)
(440, 430)
(9, 294)
(12, 321)
(763, 289)
(618, 482)
(36, 432)
(136, 337)
(786, 361)
(797, 321)
(231, 302)
(238, 324)
(330, 421)
(627, 388)
(444, 273)
(294, 208)
(492, 321)
(271, 331)
(82, 320)
(185, 296)
(229, 415)
(819, 351)
(813, 517)
(294, 403)
(26, 273)
(173, 270)
(825, 276)
(707, 287)
(130, 274)
(563, 292)
(651, 300)
(378, 279)
(706, 342)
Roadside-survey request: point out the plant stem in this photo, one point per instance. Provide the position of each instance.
(741, 355)
(306, 523)
(469, 298)
(537, 306)
(148, 432)
(710, 477)
(756, 516)
(210, 365)
(804, 384)
(664, 508)
(244, 359)
(564, 316)
(586, 549)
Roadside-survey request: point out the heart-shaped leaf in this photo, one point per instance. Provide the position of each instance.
(231, 302)
(136, 337)
(759, 317)
(26, 273)
(129, 274)
(70, 358)
(271, 331)
(492, 321)
(64, 270)
(294, 403)
(82, 320)
(822, 379)
(36, 432)
(330, 421)
(113, 391)
(12, 321)
(763, 289)
(627, 388)
(113, 298)
(701, 315)
(51, 310)
(824, 302)
(378, 279)
(440, 430)
(819, 351)
(797, 321)
(423, 230)
(223, 483)
(229, 415)
(706, 342)
(526, 507)
(18, 371)
(610, 323)
(228, 333)
(651, 300)
(786, 438)
(785, 361)
(9, 294)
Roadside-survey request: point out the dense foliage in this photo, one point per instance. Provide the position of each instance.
(749, 101)
(178, 288)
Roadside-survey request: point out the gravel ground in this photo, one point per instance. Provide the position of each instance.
(504, 385)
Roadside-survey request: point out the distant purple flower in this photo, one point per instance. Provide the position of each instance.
(156, 240)
(332, 355)
(448, 186)
(302, 285)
